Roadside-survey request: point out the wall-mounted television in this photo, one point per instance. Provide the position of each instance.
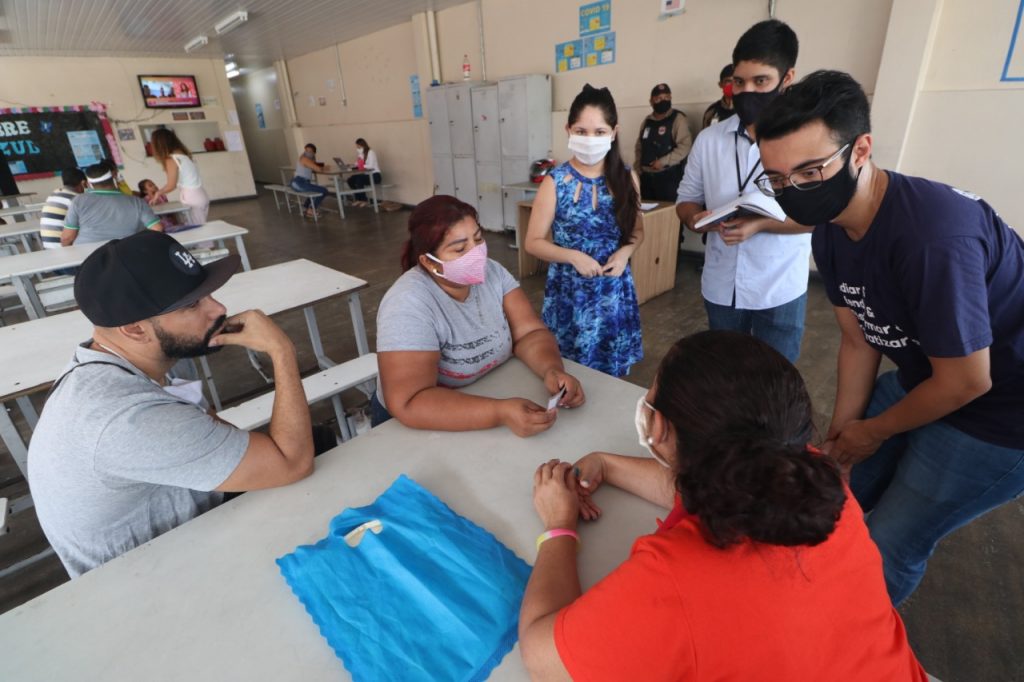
(169, 92)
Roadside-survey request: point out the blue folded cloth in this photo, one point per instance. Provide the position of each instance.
(424, 594)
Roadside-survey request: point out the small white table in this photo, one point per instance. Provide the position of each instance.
(206, 600)
(19, 212)
(337, 175)
(21, 231)
(22, 267)
(171, 208)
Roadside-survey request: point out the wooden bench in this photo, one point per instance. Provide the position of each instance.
(290, 192)
(256, 412)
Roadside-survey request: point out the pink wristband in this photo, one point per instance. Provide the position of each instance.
(556, 533)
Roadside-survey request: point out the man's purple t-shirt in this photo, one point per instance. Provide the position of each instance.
(938, 274)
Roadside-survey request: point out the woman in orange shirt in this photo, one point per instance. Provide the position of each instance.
(763, 568)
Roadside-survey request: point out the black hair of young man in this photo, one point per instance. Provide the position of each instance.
(770, 42)
(832, 97)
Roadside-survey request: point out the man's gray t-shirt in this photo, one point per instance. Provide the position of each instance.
(115, 461)
(472, 336)
(102, 215)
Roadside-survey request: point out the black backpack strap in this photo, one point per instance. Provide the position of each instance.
(83, 364)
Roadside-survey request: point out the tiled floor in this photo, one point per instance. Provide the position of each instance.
(967, 619)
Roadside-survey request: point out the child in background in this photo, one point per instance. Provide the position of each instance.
(149, 191)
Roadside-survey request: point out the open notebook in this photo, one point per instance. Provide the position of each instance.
(752, 203)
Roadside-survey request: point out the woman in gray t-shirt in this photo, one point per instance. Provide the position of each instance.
(451, 318)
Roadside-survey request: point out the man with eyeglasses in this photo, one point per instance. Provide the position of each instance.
(930, 277)
(756, 269)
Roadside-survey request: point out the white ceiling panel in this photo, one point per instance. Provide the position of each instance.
(160, 28)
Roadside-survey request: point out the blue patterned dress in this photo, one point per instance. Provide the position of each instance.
(597, 320)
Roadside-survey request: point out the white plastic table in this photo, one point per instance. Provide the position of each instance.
(20, 268)
(18, 212)
(171, 208)
(206, 600)
(34, 353)
(21, 231)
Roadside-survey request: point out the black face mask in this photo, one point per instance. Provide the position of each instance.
(823, 203)
(749, 105)
(662, 107)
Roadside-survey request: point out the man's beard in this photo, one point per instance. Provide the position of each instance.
(178, 347)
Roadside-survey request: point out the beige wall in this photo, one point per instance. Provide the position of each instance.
(268, 148)
(61, 81)
(377, 106)
(966, 128)
(686, 51)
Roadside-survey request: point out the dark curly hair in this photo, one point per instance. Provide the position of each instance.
(742, 418)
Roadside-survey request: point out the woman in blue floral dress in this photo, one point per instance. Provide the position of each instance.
(585, 223)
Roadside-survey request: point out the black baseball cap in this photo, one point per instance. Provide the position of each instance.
(661, 89)
(145, 275)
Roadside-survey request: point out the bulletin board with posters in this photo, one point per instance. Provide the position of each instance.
(37, 142)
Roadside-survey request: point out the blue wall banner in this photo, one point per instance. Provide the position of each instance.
(595, 17)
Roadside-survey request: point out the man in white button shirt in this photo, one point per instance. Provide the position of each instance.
(756, 269)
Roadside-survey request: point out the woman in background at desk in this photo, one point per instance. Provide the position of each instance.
(450, 319)
(368, 157)
(303, 179)
(182, 174)
(763, 568)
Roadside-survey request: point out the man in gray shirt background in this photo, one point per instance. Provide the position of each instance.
(123, 453)
(104, 212)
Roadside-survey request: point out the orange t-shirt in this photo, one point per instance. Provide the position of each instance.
(681, 609)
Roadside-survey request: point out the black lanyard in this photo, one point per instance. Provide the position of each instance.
(739, 178)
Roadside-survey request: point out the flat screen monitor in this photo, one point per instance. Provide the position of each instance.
(169, 92)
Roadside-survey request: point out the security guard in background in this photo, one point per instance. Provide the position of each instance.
(662, 147)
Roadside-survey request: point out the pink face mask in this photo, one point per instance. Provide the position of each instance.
(469, 268)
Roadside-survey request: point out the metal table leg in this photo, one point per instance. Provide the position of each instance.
(208, 377)
(373, 194)
(355, 309)
(322, 360)
(337, 194)
(28, 411)
(12, 440)
(29, 297)
(240, 245)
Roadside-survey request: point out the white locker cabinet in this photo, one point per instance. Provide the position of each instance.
(460, 119)
(512, 171)
(489, 196)
(524, 115)
(444, 175)
(486, 142)
(440, 126)
(465, 179)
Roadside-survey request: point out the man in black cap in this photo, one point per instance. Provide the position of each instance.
(123, 452)
(662, 147)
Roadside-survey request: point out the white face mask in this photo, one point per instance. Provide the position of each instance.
(641, 431)
(590, 150)
(189, 391)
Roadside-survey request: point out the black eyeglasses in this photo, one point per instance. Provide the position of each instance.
(803, 179)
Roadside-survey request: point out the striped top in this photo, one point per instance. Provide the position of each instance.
(52, 220)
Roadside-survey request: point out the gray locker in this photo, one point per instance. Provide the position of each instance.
(444, 175)
(512, 171)
(460, 119)
(465, 179)
(486, 142)
(489, 196)
(524, 106)
(437, 115)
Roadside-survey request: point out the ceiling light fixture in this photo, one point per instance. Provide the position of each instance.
(196, 43)
(233, 73)
(230, 66)
(231, 22)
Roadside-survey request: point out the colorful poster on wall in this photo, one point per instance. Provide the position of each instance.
(417, 98)
(36, 142)
(599, 50)
(569, 56)
(595, 17)
(672, 7)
